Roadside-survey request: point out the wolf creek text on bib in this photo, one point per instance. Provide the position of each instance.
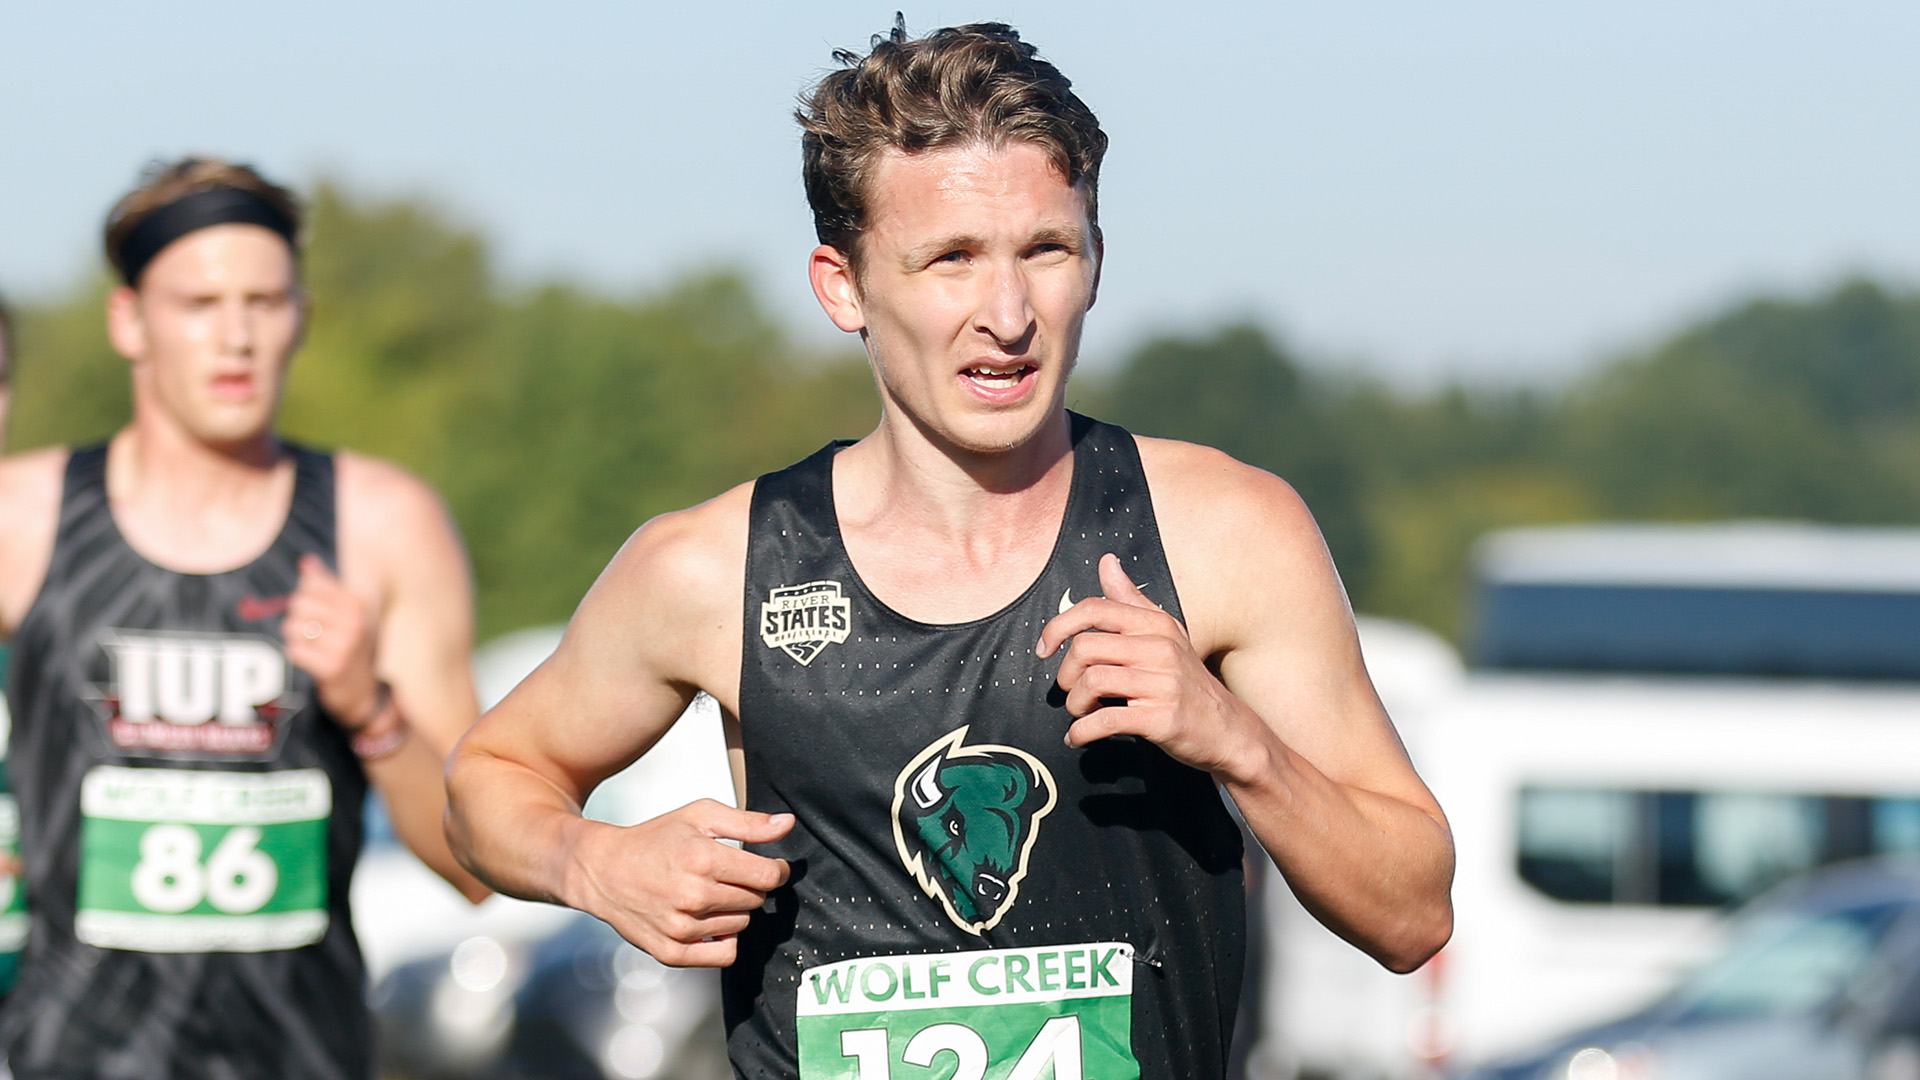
(969, 897)
(189, 816)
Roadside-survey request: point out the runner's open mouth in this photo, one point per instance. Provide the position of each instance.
(998, 377)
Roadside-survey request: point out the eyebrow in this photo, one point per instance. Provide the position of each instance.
(922, 254)
(217, 292)
(1054, 234)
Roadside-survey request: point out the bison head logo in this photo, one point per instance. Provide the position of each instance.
(965, 819)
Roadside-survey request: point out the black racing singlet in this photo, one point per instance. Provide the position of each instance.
(189, 817)
(970, 897)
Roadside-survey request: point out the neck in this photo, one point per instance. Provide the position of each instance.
(946, 536)
(961, 492)
(196, 508)
(152, 458)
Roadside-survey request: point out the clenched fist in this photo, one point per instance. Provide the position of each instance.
(330, 635)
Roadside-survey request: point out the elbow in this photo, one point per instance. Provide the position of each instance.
(461, 874)
(454, 822)
(453, 831)
(1420, 940)
(1427, 922)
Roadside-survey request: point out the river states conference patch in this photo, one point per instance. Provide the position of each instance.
(803, 620)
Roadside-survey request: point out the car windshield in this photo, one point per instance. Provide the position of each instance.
(1787, 962)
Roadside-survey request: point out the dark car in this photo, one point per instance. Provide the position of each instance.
(581, 1004)
(1819, 980)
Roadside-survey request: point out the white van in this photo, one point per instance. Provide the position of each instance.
(1659, 722)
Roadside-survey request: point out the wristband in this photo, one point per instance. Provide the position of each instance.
(382, 697)
(374, 738)
(373, 747)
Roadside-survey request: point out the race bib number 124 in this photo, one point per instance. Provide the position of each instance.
(1055, 1012)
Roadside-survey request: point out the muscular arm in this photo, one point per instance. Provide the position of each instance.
(1265, 688)
(662, 622)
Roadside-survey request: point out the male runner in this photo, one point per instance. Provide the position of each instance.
(984, 668)
(13, 905)
(220, 639)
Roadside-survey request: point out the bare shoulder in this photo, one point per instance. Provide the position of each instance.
(1203, 496)
(379, 497)
(31, 479)
(668, 604)
(1234, 533)
(396, 538)
(30, 487)
(698, 554)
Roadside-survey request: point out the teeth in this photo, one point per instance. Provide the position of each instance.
(996, 379)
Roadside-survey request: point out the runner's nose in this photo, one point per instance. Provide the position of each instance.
(1005, 312)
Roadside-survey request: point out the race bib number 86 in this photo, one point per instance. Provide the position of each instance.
(183, 860)
(1056, 1012)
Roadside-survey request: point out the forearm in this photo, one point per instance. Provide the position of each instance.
(1376, 870)
(514, 829)
(411, 781)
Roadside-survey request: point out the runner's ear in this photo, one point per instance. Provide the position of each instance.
(126, 328)
(1099, 263)
(836, 285)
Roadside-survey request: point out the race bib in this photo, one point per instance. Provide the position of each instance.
(186, 860)
(13, 897)
(1056, 1012)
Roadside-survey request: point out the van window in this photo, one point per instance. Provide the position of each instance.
(1697, 629)
(1692, 848)
(1574, 843)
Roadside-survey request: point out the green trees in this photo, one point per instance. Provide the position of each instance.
(1798, 409)
(557, 419)
(1780, 409)
(81, 396)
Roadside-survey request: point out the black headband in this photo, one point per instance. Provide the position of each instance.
(190, 213)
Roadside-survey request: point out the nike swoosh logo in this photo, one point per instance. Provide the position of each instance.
(257, 609)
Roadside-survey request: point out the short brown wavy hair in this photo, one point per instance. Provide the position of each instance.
(955, 86)
(165, 182)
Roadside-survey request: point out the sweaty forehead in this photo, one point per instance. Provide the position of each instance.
(965, 185)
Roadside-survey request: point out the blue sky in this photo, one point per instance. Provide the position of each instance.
(1489, 188)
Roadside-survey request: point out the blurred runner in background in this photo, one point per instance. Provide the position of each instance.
(13, 900)
(6, 367)
(987, 666)
(220, 638)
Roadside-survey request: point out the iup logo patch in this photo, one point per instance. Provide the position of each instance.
(215, 695)
(965, 818)
(805, 619)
